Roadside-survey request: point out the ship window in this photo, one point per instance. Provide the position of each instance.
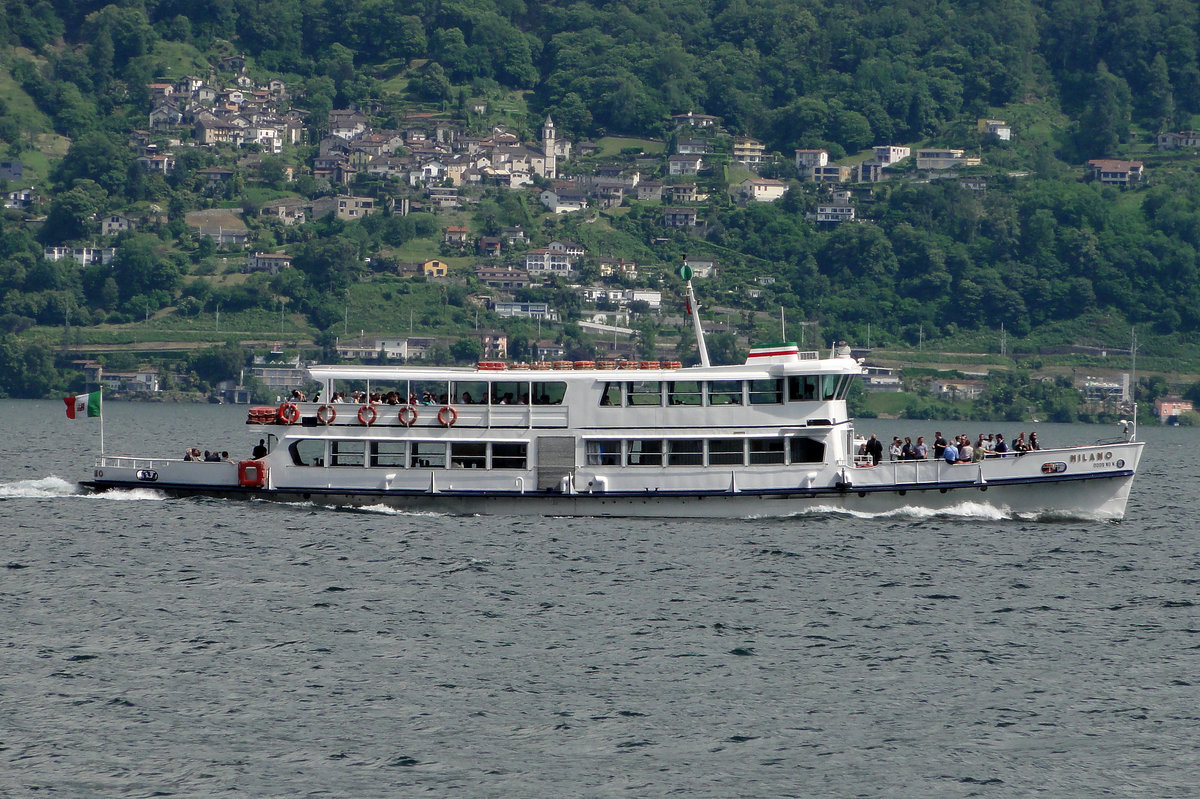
(346, 453)
(428, 392)
(611, 395)
(726, 452)
(766, 392)
(468, 455)
(389, 453)
(510, 393)
(683, 392)
(766, 450)
(725, 392)
(829, 384)
(644, 392)
(469, 392)
(308, 452)
(549, 393)
(807, 450)
(508, 456)
(802, 387)
(685, 453)
(604, 453)
(645, 453)
(428, 454)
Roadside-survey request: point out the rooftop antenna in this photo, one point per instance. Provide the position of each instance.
(693, 308)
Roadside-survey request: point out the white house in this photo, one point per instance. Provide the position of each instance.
(763, 190)
(835, 213)
(526, 310)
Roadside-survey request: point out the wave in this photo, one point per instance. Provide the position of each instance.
(963, 510)
(388, 510)
(41, 488)
(129, 495)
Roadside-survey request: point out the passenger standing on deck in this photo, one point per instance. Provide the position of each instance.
(1033, 442)
(894, 450)
(875, 450)
(939, 445)
(920, 451)
(949, 452)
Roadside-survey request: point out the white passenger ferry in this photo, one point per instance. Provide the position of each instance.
(770, 437)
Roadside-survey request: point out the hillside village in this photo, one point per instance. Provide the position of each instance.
(439, 165)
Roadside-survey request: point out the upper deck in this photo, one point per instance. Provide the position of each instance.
(772, 388)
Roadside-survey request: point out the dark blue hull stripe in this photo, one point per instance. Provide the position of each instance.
(774, 493)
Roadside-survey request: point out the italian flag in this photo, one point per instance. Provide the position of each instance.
(83, 405)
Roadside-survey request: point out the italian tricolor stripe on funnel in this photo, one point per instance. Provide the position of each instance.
(82, 405)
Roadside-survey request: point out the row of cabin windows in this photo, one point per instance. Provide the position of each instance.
(767, 391)
(410, 454)
(474, 392)
(704, 452)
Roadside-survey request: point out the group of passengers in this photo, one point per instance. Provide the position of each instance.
(208, 456)
(960, 450)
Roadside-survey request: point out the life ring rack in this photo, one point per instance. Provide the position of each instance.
(326, 414)
(289, 413)
(408, 416)
(447, 416)
(367, 415)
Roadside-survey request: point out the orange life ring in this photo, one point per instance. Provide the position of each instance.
(289, 413)
(367, 415)
(447, 416)
(408, 415)
(326, 414)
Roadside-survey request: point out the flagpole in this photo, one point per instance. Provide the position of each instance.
(101, 392)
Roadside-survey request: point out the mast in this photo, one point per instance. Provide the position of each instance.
(693, 308)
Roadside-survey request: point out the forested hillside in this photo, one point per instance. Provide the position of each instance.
(1024, 241)
(796, 74)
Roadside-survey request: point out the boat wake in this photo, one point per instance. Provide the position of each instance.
(964, 510)
(43, 488)
(388, 510)
(129, 495)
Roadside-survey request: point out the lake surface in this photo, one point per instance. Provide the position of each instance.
(159, 647)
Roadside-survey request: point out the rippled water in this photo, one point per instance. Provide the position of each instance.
(208, 648)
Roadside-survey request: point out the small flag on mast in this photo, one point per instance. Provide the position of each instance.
(83, 405)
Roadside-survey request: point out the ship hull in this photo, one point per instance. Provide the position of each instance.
(1102, 495)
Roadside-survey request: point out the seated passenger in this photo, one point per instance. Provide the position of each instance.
(466, 398)
(950, 453)
(1033, 442)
